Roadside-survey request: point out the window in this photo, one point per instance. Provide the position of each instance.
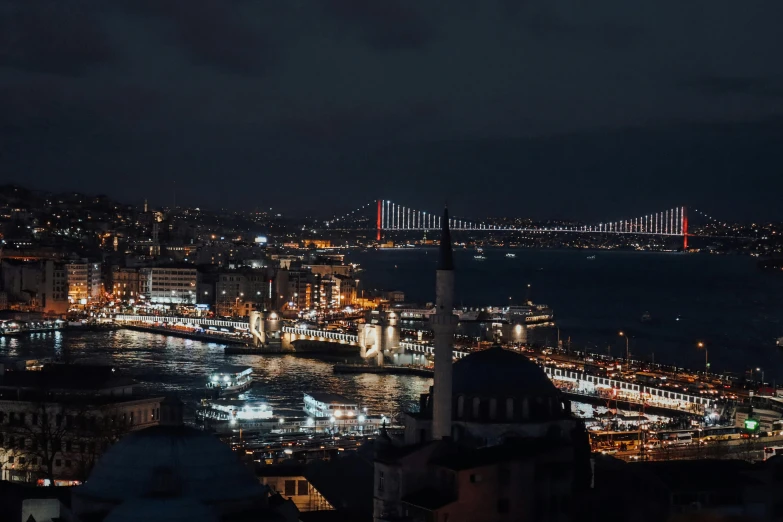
(476, 406)
(22, 460)
(302, 487)
(381, 481)
(504, 476)
(11, 459)
(460, 406)
(493, 408)
(67, 463)
(68, 445)
(35, 419)
(57, 463)
(475, 477)
(290, 488)
(22, 418)
(502, 505)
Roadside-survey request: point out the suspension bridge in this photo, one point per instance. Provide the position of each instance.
(388, 216)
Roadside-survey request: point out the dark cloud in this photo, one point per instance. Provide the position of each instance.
(365, 124)
(64, 38)
(391, 25)
(764, 87)
(364, 93)
(212, 32)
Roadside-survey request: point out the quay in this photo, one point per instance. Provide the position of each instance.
(210, 338)
(13, 328)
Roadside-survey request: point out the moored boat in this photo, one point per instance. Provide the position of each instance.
(230, 381)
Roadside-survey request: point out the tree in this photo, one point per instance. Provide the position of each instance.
(73, 432)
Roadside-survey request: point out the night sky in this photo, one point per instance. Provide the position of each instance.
(600, 109)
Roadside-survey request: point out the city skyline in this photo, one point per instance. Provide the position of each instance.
(566, 107)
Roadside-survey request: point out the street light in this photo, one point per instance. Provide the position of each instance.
(700, 344)
(627, 346)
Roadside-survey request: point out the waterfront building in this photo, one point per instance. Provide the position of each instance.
(239, 292)
(78, 281)
(36, 285)
(173, 284)
(54, 291)
(124, 284)
(493, 440)
(55, 422)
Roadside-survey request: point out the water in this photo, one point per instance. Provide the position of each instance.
(163, 364)
(723, 301)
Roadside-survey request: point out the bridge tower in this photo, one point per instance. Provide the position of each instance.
(444, 324)
(684, 228)
(379, 220)
(379, 336)
(257, 327)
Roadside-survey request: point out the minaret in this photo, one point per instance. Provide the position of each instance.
(444, 324)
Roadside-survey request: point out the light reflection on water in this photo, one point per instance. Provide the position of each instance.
(174, 365)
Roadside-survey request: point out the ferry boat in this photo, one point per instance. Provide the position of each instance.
(531, 313)
(230, 381)
(232, 411)
(328, 405)
(326, 413)
(479, 257)
(591, 258)
(511, 255)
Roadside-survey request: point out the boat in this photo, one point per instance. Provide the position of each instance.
(591, 257)
(322, 405)
(233, 411)
(479, 257)
(530, 314)
(511, 255)
(779, 342)
(325, 413)
(229, 382)
(646, 317)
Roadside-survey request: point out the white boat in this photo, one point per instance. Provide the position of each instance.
(591, 257)
(233, 410)
(479, 257)
(511, 255)
(327, 405)
(779, 342)
(530, 314)
(228, 382)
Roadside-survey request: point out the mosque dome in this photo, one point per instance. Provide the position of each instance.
(175, 461)
(162, 510)
(498, 372)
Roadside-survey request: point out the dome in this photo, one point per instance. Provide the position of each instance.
(498, 372)
(171, 459)
(162, 510)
